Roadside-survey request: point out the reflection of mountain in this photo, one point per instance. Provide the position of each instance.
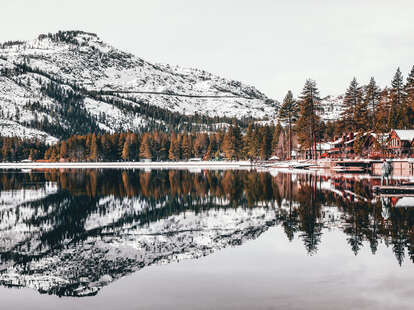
(72, 232)
(82, 267)
(74, 244)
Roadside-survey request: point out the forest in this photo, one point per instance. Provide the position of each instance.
(365, 108)
(257, 143)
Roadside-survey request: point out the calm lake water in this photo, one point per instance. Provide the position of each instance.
(169, 239)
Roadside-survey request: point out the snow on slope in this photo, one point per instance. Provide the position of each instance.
(14, 129)
(82, 60)
(332, 107)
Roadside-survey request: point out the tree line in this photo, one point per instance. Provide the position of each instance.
(365, 108)
(256, 143)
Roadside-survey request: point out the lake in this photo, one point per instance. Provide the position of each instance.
(175, 239)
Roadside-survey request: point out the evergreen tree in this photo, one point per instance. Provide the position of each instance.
(145, 150)
(372, 97)
(250, 143)
(382, 114)
(126, 150)
(212, 147)
(164, 147)
(276, 135)
(398, 113)
(232, 142)
(174, 151)
(409, 91)
(289, 113)
(266, 143)
(352, 99)
(186, 147)
(94, 148)
(63, 150)
(308, 120)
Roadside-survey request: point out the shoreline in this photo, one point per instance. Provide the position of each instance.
(133, 165)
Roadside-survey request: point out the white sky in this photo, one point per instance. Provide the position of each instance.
(273, 45)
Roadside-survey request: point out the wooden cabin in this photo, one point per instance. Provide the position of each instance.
(399, 143)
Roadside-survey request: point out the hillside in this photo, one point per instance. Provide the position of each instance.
(72, 83)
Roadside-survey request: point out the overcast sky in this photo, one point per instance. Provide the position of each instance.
(273, 45)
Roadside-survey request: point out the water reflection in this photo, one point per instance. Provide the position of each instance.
(72, 232)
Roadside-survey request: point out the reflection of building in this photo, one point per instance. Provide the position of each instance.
(402, 201)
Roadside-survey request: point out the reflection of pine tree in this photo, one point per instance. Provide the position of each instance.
(290, 222)
(290, 219)
(398, 234)
(309, 214)
(353, 230)
(398, 247)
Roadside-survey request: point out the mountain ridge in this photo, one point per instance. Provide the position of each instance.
(70, 82)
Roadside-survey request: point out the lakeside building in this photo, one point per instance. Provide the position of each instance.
(395, 144)
(400, 143)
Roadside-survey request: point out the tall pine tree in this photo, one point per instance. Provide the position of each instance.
(308, 120)
(289, 113)
(409, 91)
(398, 113)
(372, 97)
(352, 99)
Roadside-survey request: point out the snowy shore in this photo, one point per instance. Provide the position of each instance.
(132, 165)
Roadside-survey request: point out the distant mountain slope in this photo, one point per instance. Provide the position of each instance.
(332, 107)
(72, 82)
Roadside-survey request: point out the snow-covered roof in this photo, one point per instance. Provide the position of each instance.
(274, 158)
(337, 141)
(326, 146)
(407, 135)
(405, 202)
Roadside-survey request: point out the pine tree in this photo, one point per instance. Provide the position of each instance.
(308, 119)
(352, 99)
(164, 147)
(276, 135)
(398, 111)
(409, 91)
(361, 114)
(237, 139)
(248, 143)
(174, 151)
(266, 143)
(232, 142)
(212, 147)
(145, 150)
(289, 113)
(63, 150)
(126, 150)
(94, 148)
(186, 147)
(383, 111)
(372, 97)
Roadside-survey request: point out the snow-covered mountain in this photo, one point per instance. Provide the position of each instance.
(331, 108)
(72, 82)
